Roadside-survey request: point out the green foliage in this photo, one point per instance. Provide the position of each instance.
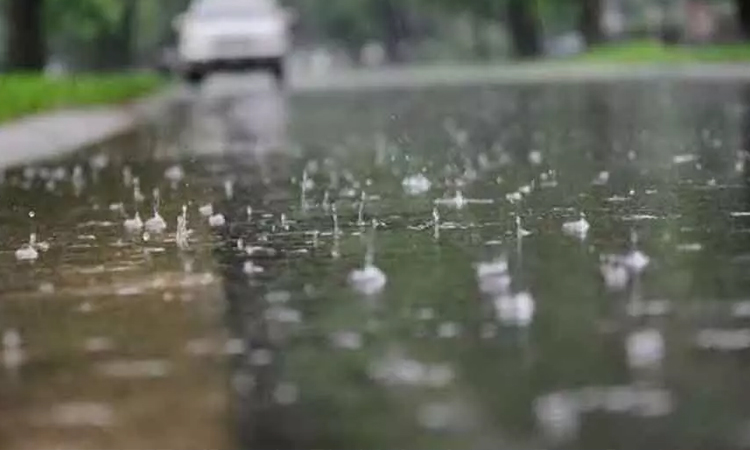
(100, 33)
(653, 51)
(25, 94)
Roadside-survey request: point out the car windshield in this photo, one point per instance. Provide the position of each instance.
(229, 8)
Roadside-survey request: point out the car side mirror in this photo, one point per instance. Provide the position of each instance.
(178, 22)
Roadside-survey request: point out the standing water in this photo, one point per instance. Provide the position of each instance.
(274, 327)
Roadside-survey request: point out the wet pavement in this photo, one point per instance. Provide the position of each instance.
(517, 266)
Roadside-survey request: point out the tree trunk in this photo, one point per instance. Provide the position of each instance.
(114, 47)
(26, 41)
(395, 21)
(590, 24)
(524, 28)
(125, 34)
(479, 38)
(743, 17)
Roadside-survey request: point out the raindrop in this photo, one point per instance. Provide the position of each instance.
(578, 228)
(174, 174)
(558, 416)
(448, 330)
(684, 159)
(535, 157)
(520, 231)
(515, 310)
(217, 220)
(493, 276)
(286, 394)
(13, 354)
(156, 224)
(137, 194)
(206, 210)
(645, 348)
(416, 184)
(514, 197)
(601, 179)
(250, 268)
(349, 340)
(229, 189)
(27, 252)
(127, 176)
(435, 223)
(614, 272)
(182, 235)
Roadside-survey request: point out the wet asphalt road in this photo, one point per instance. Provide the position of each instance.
(260, 333)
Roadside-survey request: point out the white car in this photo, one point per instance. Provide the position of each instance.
(233, 34)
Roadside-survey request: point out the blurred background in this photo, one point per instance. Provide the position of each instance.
(99, 35)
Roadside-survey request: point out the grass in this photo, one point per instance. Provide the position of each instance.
(27, 94)
(655, 52)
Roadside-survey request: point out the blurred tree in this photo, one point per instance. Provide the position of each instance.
(520, 16)
(590, 22)
(110, 34)
(525, 28)
(394, 19)
(25, 42)
(98, 34)
(352, 23)
(743, 15)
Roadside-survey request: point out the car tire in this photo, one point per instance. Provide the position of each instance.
(194, 76)
(279, 72)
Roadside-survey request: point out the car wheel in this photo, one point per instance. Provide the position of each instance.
(278, 71)
(194, 76)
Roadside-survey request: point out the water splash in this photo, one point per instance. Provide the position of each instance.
(181, 238)
(303, 187)
(645, 349)
(229, 189)
(326, 204)
(416, 184)
(614, 272)
(13, 354)
(361, 211)
(127, 176)
(335, 252)
(635, 260)
(436, 223)
(284, 222)
(138, 196)
(369, 280)
(206, 210)
(515, 310)
(217, 220)
(133, 225)
(578, 228)
(27, 252)
(521, 232)
(156, 224)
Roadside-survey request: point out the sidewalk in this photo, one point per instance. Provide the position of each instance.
(517, 73)
(64, 131)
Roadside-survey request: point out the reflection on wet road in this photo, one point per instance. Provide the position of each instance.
(464, 267)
